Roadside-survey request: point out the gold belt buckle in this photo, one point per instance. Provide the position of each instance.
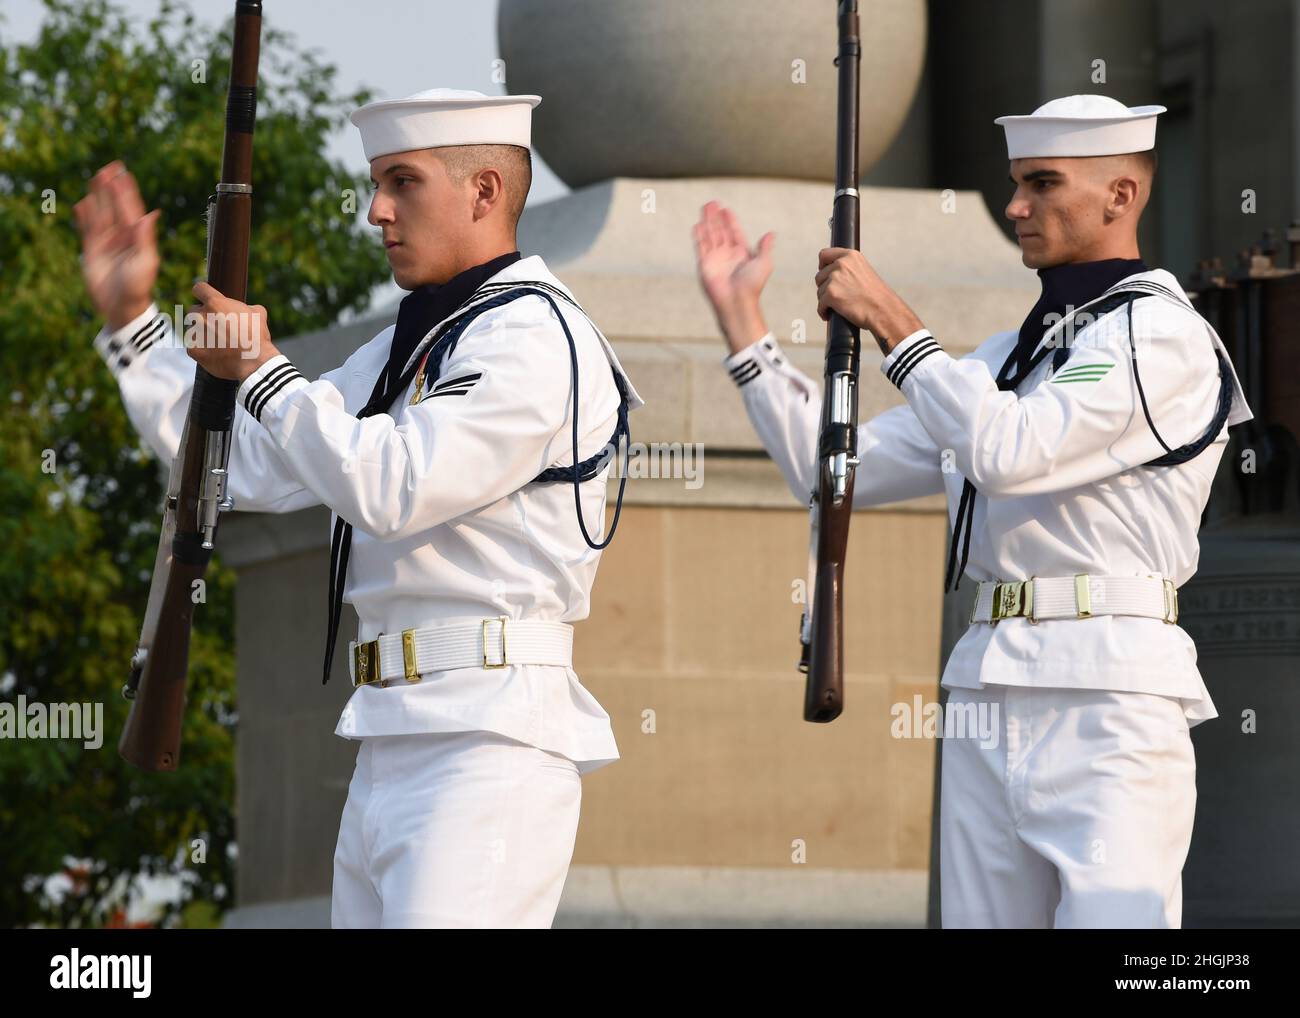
(502, 663)
(1014, 597)
(365, 663)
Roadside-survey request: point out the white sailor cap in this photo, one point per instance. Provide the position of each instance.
(1081, 125)
(441, 117)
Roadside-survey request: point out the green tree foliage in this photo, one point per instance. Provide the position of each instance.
(77, 541)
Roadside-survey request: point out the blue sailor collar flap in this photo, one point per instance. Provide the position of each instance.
(1163, 284)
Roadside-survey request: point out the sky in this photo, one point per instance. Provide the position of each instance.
(392, 47)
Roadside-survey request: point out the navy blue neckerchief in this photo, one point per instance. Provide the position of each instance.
(422, 309)
(487, 297)
(1069, 286)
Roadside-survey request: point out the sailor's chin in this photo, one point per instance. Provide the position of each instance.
(1032, 259)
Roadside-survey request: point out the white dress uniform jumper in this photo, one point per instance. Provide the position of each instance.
(1082, 458)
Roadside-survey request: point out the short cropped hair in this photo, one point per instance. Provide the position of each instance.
(1147, 160)
(514, 162)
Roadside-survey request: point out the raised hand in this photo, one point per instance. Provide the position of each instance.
(729, 270)
(119, 253)
(731, 274)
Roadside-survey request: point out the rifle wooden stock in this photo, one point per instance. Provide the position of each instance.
(838, 443)
(151, 739)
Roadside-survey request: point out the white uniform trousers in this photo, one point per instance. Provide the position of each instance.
(1079, 816)
(454, 829)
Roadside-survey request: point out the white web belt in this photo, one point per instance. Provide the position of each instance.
(486, 643)
(1075, 597)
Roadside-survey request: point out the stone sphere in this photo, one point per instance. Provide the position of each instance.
(701, 88)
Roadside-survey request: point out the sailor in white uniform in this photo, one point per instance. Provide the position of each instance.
(463, 534)
(1079, 450)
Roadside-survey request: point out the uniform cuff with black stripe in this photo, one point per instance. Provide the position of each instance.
(747, 364)
(905, 357)
(265, 388)
(119, 347)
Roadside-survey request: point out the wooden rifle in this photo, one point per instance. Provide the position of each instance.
(196, 487)
(822, 631)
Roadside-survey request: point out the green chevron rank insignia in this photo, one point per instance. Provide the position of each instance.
(1082, 373)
